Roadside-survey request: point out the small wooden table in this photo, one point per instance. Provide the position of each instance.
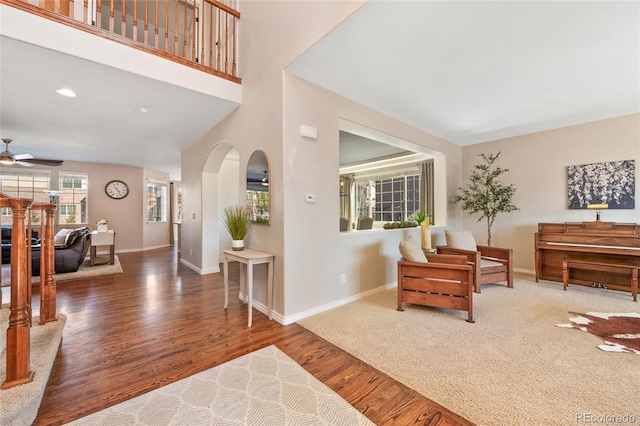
(249, 258)
(102, 239)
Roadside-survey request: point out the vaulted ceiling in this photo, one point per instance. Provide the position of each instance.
(468, 72)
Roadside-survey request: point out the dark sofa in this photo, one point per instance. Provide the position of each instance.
(68, 256)
(6, 243)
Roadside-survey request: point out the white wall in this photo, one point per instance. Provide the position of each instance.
(228, 190)
(538, 164)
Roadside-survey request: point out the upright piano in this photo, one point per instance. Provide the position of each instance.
(605, 243)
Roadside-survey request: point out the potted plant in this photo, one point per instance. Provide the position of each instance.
(485, 194)
(237, 222)
(421, 219)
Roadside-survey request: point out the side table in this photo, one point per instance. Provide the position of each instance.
(102, 239)
(249, 258)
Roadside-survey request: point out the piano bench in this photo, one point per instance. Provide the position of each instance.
(611, 267)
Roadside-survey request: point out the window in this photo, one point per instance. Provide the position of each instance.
(157, 201)
(258, 206)
(24, 184)
(73, 200)
(391, 199)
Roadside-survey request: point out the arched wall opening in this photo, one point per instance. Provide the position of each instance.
(220, 188)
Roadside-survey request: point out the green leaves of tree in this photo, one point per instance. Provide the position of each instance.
(485, 193)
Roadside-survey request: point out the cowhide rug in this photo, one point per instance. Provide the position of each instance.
(621, 332)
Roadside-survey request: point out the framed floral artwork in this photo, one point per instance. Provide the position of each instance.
(610, 185)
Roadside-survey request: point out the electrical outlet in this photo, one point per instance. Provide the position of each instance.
(343, 278)
(190, 252)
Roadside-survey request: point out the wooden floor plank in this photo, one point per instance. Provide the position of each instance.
(160, 322)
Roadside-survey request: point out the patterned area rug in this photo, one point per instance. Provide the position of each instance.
(84, 271)
(621, 332)
(265, 387)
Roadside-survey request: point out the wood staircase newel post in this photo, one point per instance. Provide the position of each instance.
(19, 330)
(47, 269)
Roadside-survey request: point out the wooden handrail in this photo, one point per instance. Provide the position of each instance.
(215, 22)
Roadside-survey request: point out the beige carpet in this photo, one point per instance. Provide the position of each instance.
(20, 404)
(262, 388)
(84, 271)
(512, 367)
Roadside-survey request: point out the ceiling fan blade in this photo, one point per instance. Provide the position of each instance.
(22, 157)
(23, 163)
(43, 162)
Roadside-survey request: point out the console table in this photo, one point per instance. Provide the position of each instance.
(249, 258)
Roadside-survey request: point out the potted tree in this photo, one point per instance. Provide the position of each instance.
(485, 194)
(237, 222)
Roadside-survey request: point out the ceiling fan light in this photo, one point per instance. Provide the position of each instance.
(6, 161)
(66, 92)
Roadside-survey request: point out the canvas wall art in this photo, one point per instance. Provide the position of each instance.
(612, 184)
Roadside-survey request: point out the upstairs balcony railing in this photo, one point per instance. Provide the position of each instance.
(198, 33)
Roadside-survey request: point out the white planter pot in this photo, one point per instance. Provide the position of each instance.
(103, 228)
(237, 245)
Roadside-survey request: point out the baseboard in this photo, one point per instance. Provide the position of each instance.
(524, 271)
(198, 270)
(290, 319)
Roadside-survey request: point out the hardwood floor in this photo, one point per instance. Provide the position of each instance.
(159, 322)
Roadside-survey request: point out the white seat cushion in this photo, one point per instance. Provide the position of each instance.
(462, 240)
(411, 251)
(486, 263)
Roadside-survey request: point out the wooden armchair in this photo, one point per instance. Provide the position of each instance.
(490, 264)
(443, 282)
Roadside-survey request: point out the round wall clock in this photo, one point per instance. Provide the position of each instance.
(116, 189)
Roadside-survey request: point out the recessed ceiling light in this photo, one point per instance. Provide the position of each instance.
(143, 110)
(66, 92)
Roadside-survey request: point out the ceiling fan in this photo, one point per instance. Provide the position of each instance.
(264, 181)
(27, 160)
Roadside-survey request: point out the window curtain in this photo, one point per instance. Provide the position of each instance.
(426, 188)
(346, 182)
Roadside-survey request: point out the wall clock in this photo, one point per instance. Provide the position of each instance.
(116, 189)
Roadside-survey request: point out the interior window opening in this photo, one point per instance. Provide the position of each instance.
(385, 179)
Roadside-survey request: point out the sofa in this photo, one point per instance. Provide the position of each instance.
(6, 243)
(68, 254)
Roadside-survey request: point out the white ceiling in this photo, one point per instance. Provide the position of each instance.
(468, 72)
(471, 72)
(102, 124)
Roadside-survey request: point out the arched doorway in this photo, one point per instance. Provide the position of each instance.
(220, 188)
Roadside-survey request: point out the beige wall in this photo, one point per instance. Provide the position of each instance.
(316, 253)
(537, 164)
(266, 49)
(126, 216)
